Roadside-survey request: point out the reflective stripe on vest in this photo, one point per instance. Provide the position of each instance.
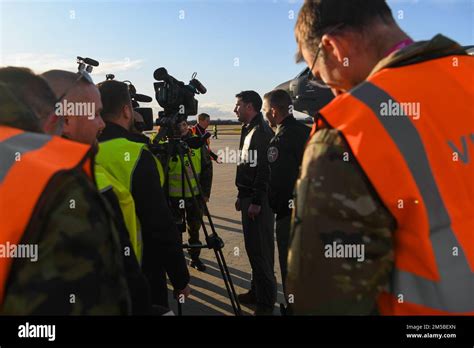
(28, 161)
(106, 181)
(175, 177)
(433, 241)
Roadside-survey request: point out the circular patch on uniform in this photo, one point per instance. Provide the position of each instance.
(272, 154)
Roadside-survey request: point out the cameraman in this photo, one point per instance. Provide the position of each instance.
(200, 129)
(138, 170)
(180, 194)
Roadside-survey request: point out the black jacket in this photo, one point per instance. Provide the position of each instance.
(284, 157)
(161, 240)
(253, 174)
(137, 283)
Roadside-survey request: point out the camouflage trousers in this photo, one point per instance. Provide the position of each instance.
(193, 221)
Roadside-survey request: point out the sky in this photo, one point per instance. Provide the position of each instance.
(233, 45)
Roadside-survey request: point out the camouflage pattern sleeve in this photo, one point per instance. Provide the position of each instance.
(79, 269)
(340, 254)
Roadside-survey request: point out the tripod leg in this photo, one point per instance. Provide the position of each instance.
(234, 293)
(227, 280)
(217, 249)
(225, 269)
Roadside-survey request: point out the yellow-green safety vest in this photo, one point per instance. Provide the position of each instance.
(119, 158)
(175, 178)
(105, 180)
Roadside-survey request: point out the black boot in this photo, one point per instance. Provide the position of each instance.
(197, 264)
(248, 298)
(263, 310)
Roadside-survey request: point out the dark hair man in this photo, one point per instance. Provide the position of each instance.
(56, 209)
(380, 226)
(252, 200)
(284, 156)
(139, 171)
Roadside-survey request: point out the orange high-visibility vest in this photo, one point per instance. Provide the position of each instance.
(411, 130)
(28, 161)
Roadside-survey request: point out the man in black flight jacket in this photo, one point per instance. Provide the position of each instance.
(284, 157)
(257, 216)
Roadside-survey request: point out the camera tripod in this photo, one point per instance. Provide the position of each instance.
(213, 241)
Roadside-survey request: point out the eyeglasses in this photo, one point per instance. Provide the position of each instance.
(316, 80)
(83, 75)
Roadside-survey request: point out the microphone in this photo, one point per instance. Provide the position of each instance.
(160, 74)
(142, 98)
(89, 61)
(198, 86)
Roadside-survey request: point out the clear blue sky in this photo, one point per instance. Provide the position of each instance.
(133, 38)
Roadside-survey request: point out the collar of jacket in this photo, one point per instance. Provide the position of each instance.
(113, 131)
(439, 46)
(255, 121)
(285, 123)
(288, 120)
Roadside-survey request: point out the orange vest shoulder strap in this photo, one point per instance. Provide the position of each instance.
(28, 161)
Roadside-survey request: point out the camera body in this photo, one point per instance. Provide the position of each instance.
(174, 96)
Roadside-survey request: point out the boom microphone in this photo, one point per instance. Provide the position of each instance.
(90, 61)
(142, 98)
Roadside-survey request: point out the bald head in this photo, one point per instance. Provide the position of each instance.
(80, 106)
(62, 81)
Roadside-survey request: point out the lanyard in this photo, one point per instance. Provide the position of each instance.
(399, 46)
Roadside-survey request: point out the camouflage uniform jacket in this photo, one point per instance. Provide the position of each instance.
(336, 203)
(79, 269)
